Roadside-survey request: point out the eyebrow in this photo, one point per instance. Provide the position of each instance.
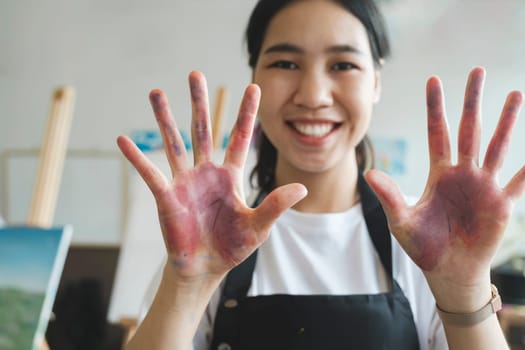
(287, 47)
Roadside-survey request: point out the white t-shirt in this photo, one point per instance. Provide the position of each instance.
(332, 254)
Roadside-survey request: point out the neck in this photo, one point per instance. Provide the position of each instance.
(328, 191)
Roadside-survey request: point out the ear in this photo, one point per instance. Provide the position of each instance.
(377, 86)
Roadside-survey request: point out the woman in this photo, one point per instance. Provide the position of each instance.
(325, 274)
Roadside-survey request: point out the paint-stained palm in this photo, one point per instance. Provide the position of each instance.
(454, 230)
(206, 225)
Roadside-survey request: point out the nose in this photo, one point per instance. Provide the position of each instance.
(314, 90)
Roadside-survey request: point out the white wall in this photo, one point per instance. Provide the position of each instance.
(115, 51)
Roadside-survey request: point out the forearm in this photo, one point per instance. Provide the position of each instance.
(174, 315)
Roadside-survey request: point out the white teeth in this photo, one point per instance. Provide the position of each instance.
(316, 130)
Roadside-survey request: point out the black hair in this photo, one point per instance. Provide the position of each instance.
(369, 15)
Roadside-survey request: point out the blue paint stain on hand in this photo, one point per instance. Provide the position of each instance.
(151, 140)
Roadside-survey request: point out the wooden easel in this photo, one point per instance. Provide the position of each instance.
(51, 162)
(218, 116)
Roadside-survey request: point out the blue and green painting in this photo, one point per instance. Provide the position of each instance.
(31, 263)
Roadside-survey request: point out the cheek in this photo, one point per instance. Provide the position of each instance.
(361, 89)
(359, 116)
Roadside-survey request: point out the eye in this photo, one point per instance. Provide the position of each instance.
(343, 66)
(284, 65)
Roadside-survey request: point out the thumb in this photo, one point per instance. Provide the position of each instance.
(390, 196)
(276, 203)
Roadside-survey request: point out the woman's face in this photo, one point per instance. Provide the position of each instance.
(319, 85)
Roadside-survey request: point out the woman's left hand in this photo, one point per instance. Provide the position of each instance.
(454, 230)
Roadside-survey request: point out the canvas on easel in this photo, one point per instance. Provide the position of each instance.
(31, 263)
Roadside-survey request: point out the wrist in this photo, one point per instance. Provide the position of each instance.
(455, 297)
(199, 286)
(465, 301)
(472, 318)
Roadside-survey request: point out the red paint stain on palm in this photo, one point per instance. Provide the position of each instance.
(207, 221)
(430, 237)
(448, 218)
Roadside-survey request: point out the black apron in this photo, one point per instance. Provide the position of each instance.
(288, 322)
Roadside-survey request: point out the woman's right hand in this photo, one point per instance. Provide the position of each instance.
(207, 227)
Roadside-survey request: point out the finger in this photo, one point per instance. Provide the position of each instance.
(200, 122)
(150, 173)
(276, 203)
(470, 125)
(171, 138)
(389, 195)
(516, 185)
(499, 144)
(437, 127)
(241, 135)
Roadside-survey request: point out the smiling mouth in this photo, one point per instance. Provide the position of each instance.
(314, 129)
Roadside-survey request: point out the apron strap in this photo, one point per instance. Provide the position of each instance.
(377, 224)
